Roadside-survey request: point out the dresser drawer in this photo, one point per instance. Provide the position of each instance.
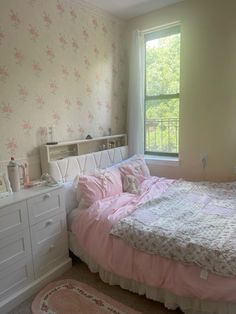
(15, 277)
(14, 248)
(13, 218)
(50, 253)
(45, 205)
(47, 229)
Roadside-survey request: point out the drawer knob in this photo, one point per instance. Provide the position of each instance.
(47, 195)
(48, 223)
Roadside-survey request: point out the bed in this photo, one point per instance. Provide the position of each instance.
(103, 236)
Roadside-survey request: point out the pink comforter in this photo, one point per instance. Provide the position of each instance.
(92, 228)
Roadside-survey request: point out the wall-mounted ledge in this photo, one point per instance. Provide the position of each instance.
(162, 160)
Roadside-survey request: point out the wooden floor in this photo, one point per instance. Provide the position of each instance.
(80, 272)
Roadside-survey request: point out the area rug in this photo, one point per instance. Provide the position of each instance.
(73, 297)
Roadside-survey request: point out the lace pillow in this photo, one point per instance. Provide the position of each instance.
(130, 184)
(98, 186)
(135, 166)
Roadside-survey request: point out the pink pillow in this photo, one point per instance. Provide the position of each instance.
(101, 185)
(135, 166)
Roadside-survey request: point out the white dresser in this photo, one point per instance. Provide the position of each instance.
(33, 243)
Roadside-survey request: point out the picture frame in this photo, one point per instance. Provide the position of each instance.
(5, 187)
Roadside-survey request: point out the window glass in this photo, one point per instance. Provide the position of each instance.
(162, 78)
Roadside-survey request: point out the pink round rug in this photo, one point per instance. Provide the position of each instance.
(72, 297)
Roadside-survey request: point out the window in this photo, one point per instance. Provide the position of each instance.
(162, 76)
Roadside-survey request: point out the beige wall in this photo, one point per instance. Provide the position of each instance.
(208, 86)
(62, 64)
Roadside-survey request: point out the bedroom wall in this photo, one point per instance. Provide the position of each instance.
(208, 86)
(62, 64)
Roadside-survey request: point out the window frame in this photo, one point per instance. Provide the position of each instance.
(161, 32)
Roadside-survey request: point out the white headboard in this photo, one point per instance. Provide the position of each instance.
(65, 170)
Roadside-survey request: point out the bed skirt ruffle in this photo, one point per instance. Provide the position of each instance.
(170, 300)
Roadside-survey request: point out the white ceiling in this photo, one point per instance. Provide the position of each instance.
(127, 9)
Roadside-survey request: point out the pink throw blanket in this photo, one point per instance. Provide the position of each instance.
(193, 223)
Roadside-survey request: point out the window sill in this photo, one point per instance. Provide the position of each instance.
(162, 160)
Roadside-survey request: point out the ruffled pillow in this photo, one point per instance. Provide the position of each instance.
(100, 185)
(135, 166)
(130, 184)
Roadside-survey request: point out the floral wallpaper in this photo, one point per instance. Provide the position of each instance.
(62, 64)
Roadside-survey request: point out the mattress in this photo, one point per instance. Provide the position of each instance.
(70, 217)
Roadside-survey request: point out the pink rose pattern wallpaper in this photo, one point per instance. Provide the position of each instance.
(62, 64)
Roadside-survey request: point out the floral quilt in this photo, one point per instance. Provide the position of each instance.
(193, 223)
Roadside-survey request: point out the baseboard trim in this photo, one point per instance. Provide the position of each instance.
(15, 299)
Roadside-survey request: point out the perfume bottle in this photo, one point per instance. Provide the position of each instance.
(13, 175)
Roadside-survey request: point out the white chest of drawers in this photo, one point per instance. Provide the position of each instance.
(33, 243)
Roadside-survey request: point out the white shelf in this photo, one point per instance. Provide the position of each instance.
(61, 150)
(96, 139)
